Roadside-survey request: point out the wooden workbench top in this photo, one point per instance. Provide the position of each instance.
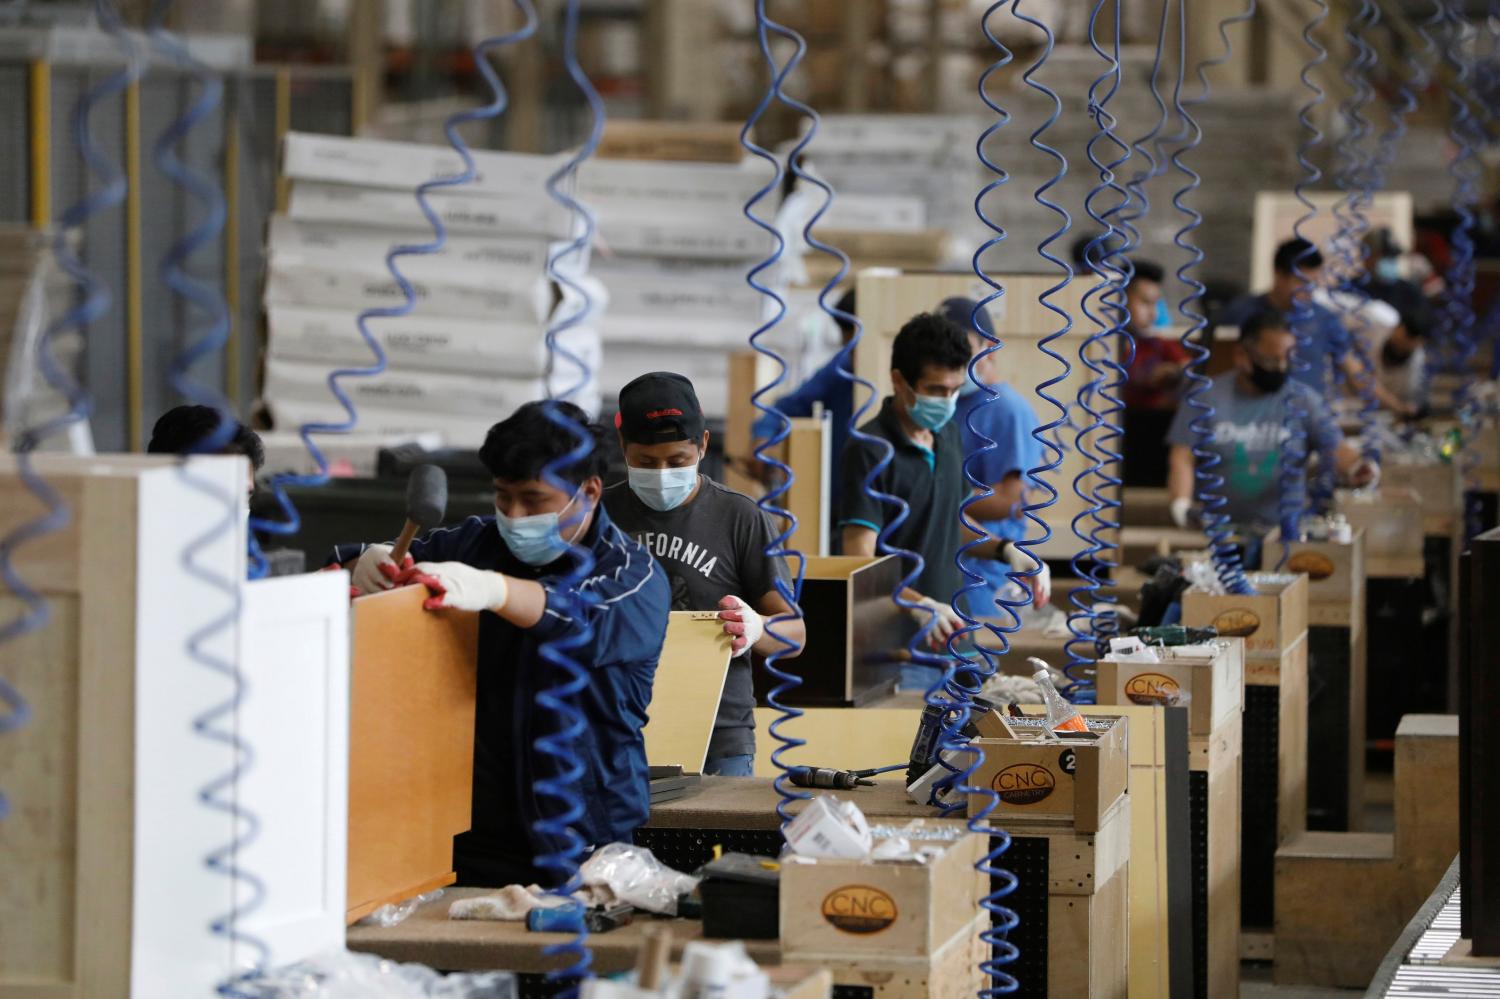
(429, 937)
(750, 803)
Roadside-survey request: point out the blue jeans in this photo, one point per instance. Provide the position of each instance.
(730, 766)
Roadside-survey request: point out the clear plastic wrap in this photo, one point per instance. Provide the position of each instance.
(348, 975)
(397, 912)
(635, 876)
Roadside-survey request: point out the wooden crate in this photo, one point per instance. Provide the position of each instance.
(950, 972)
(1270, 620)
(1074, 780)
(1210, 687)
(104, 892)
(1392, 521)
(1092, 925)
(1439, 490)
(683, 141)
(411, 746)
(1335, 576)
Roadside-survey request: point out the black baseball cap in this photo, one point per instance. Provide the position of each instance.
(960, 311)
(659, 408)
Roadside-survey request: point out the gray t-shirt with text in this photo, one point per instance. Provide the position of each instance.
(711, 547)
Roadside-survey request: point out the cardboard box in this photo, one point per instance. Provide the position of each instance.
(952, 972)
(487, 398)
(893, 908)
(534, 213)
(649, 187)
(921, 248)
(1211, 687)
(476, 261)
(1269, 620)
(404, 165)
(1073, 779)
(1335, 572)
(682, 141)
(330, 284)
(330, 337)
(631, 229)
(661, 288)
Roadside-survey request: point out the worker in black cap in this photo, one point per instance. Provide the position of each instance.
(711, 541)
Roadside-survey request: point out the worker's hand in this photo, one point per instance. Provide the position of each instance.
(1365, 473)
(945, 621)
(368, 576)
(1041, 583)
(1181, 510)
(456, 586)
(741, 623)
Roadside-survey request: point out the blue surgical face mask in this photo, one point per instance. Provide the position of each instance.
(930, 412)
(1388, 269)
(1163, 315)
(663, 489)
(535, 540)
(969, 387)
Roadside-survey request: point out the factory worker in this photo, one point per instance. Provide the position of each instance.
(1008, 421)
(710, 541)
(1249, 428)
(1400, 358)
(1153, 378)
(506, 567)
(929, 363)
(1331, 357)
(183, 430)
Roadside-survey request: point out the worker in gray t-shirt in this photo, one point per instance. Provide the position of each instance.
(1249, 429)
(710, 540)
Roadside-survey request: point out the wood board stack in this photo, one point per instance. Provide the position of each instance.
(473, 348)
(1273, 624)
(674, 250)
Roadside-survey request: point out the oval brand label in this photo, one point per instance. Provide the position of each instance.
(859, 909)
(1023, 784)
(1237, 622)
(1315, 565)
(1153, 688)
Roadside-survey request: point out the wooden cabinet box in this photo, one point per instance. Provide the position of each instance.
(1207, 680)
(1438, 487)
(856, 635)
(1074, 779)
(1269, 620)
(104, 889)
(1392, 521)
(411, 746)
(1335, 575)
(890, 908)
(952, 971)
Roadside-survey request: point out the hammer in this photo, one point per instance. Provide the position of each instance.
(426, 502)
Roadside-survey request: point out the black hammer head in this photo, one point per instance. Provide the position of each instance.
(427, 496)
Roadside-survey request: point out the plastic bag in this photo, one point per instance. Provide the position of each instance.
(635, 876)
(396, 913)
(347, 975)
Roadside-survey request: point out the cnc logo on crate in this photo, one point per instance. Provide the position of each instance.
(1023, 784)
(1237, 622)
(1317, 566)
(1153, 688)
(859, 909)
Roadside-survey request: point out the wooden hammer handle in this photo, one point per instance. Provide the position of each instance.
(408, 535)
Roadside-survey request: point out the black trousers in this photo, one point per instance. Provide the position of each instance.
(1145, 457)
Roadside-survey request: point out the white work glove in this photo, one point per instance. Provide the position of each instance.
(368, 577)
(1041, 583)
(1180, 508)
(456, 586)
(1365, 475)
(944, 624)
(741, 623)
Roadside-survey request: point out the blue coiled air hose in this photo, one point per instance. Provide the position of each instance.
(1094, 617)
(217, 723)
(94, 303)
(567, 596)
(1210, 483)
(1294, 453)
(291, 522)
(972, 673)
(791, 592)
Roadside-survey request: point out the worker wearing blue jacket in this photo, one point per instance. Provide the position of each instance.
(506, 568)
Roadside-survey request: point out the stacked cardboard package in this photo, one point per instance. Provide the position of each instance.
(473, 348)
(674, 251)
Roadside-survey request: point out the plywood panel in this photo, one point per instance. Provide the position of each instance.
(685, 696)
(411, 744)
(887, 299)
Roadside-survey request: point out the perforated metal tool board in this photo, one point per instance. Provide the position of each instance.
(1258, 806)
(1328, 660)
(1198, 825)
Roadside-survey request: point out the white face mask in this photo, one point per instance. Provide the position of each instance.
(664, 489)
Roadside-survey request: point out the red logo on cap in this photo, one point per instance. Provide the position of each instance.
(659, 413)
(617, 421)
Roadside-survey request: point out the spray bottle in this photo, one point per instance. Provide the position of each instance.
(1061, 716)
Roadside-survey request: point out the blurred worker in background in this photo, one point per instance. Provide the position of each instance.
(1385, 275)
(929, 361)
(1008, 421)
(1400, 358)
(1249, 429)
(711, 541)
(185, 429)
(1154, 378)
(506, 568)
